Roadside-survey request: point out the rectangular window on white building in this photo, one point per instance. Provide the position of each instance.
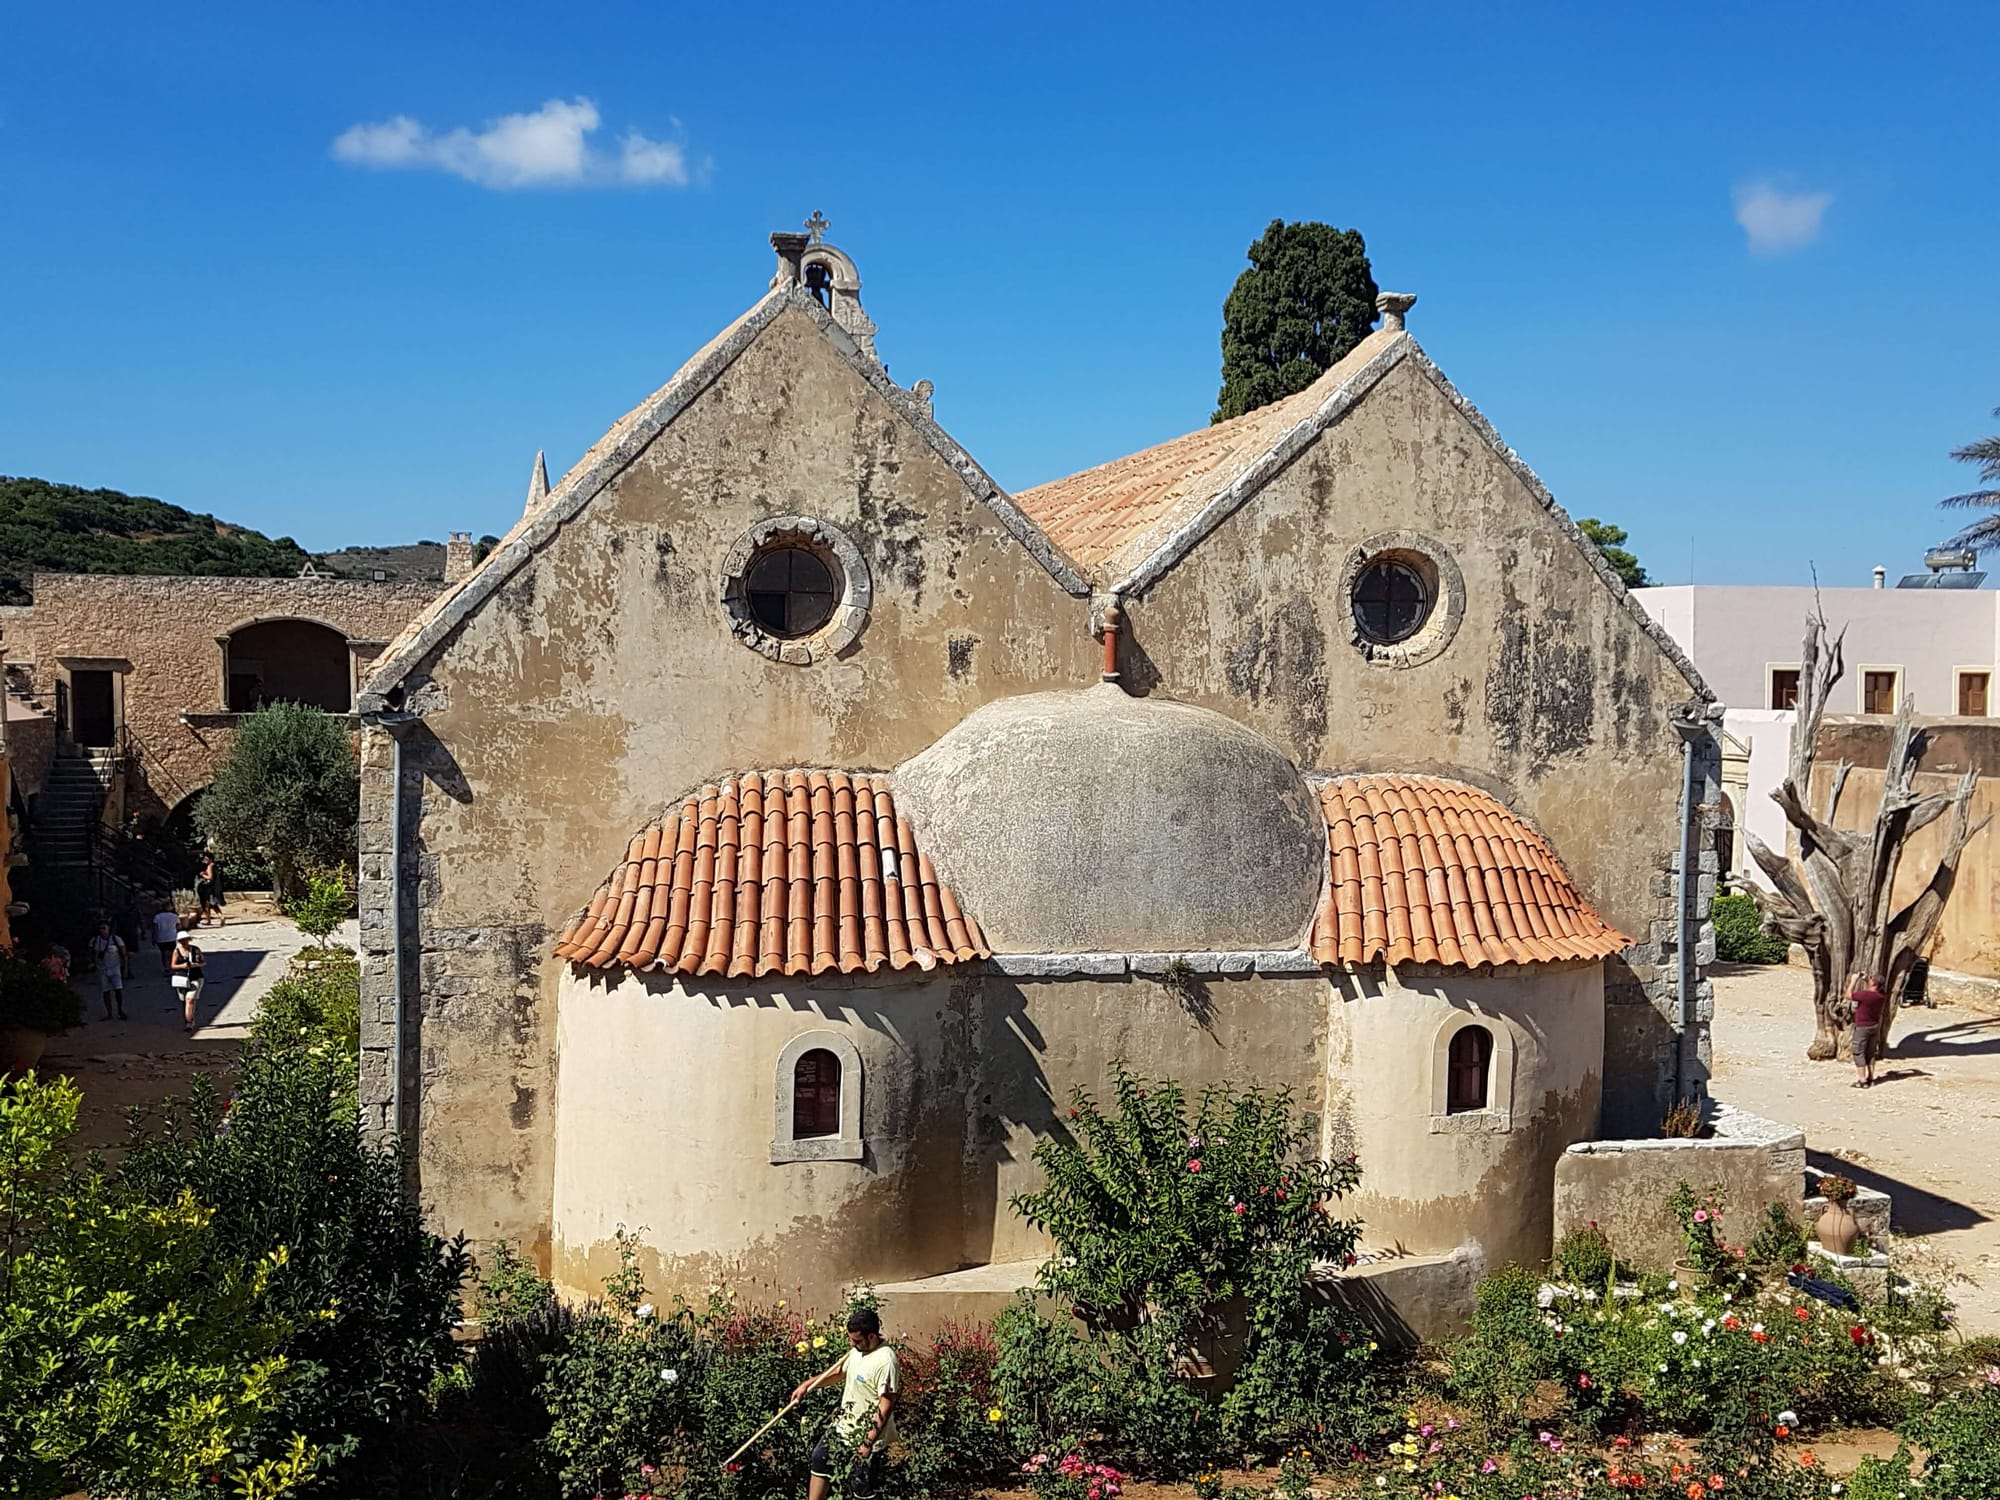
(1878, 690)
(1974, 693)
(1784, 687)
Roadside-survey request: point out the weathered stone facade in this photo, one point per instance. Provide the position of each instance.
(593, 668)
(165, 644)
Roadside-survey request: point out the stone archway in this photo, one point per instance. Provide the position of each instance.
(287, 660)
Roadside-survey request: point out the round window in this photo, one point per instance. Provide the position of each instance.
(790, 590)
(1392, 599)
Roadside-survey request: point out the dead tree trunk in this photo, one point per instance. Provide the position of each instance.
(1836, 899)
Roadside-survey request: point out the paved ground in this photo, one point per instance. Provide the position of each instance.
(119, 1064)
(1925, 1134)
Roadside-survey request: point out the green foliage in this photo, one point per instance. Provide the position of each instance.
(1983, 454)
(34, 999)
(1307, 299)
(1960, 1440)
(1610, 540)
(289, 794)
(61, 528)
(315, 1010)
(138, 1355)
(1780, 1240)
(1700, 1219)
(1740, 937)
(328, 900)
(370, 1294)
(1186, 1233)
(509, 1290)
(641, 1400)
(951, 1414)
(1584, 1257)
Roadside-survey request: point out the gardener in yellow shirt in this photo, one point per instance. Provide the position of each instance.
(860, 1431)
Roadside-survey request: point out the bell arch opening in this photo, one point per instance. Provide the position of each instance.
(287, 661)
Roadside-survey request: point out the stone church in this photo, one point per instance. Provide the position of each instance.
(768, 835)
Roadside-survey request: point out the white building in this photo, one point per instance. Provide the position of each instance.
(1934, 637)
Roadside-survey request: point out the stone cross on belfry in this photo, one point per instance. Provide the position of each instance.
(817, 226)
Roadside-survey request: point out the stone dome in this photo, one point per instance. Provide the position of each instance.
(1093, 822)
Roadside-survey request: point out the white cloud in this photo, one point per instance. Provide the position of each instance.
(548, 148)
(1777, 221)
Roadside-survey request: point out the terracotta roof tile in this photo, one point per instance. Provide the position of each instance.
(1110, 519)
(1423, 870)
(775, 872)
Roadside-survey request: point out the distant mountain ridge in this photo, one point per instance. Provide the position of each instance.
(63, 528)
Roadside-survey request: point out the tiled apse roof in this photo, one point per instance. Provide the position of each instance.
(775, 872)
(1111, 518)
(1423, 870)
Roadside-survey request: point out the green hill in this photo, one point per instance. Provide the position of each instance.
(61, 528)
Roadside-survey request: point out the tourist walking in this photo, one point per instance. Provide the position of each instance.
(186, 965)
(108, 949)
(166, 931)
(856, 1442)
(207, 892)
(1865, 1028)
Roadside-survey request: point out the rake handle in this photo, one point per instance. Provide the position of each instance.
(757, 1434)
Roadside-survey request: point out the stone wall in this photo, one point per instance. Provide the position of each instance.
(1553, 693)
(1623, 1186)
(161, 633)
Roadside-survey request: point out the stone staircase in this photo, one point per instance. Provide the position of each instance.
(70, 806)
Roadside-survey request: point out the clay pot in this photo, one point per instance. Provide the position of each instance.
(20, 1049)
(1688, 1278)
(1837, 1229)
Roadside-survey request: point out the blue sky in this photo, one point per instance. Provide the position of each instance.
(205, 301)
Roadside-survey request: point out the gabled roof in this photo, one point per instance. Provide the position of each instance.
(630, 435)
(770, 873)
(1425, 870)
(1126, 523)
(1112, 518)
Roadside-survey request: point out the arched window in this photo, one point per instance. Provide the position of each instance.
(287, 661)
(815, 1095)
(1470, 1062)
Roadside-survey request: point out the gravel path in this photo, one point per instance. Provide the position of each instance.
(1928, 1133)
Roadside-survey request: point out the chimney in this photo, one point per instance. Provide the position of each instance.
(790, 247)
(1392, 306)
(1881, 576)
(457, 556)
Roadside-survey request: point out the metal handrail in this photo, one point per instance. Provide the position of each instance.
(136, 751)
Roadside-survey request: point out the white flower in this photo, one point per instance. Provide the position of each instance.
(1663, 1369)
(671, 1377)
(1381, 1483)
(1680, 1336)
(1673, 1286)
(1788, 1419)
(645, 1310)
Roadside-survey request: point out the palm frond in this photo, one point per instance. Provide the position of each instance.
(1985, 453)
(1982, 535)
(1973, 500)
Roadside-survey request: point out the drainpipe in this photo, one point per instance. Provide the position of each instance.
(396, 933)
(1114, 617)
(1687, 722)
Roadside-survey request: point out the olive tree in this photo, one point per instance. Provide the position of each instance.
(289, 794)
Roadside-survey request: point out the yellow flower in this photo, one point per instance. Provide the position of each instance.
(994, 1415)
(781, 1302)
(819, 1341)
(1409, 1466)
(801, 1346)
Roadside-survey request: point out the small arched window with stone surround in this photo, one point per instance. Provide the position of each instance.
(818, 1104)
(815, 1095)
(1471, 1061)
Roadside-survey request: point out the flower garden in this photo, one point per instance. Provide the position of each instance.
(248, 1305)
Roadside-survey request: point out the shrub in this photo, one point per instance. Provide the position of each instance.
(1187, 1232)
(1700, 1220)
(371, 1295)
(1584, 1258)
(950, 1413)
(34, 999)
(1960, 1438)
(1740, 937)
(138, 1356)
(509, 1290)
(316, 1009)
(1780, 1241)
(327, 901)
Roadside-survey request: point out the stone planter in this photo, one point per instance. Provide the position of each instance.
(1688, 1279)
(20, 1049)
(1837, 1229)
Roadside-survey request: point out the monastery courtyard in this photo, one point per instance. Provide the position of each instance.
(1929, 1120)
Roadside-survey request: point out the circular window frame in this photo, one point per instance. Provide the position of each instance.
(854, 591)
(1432, 562)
